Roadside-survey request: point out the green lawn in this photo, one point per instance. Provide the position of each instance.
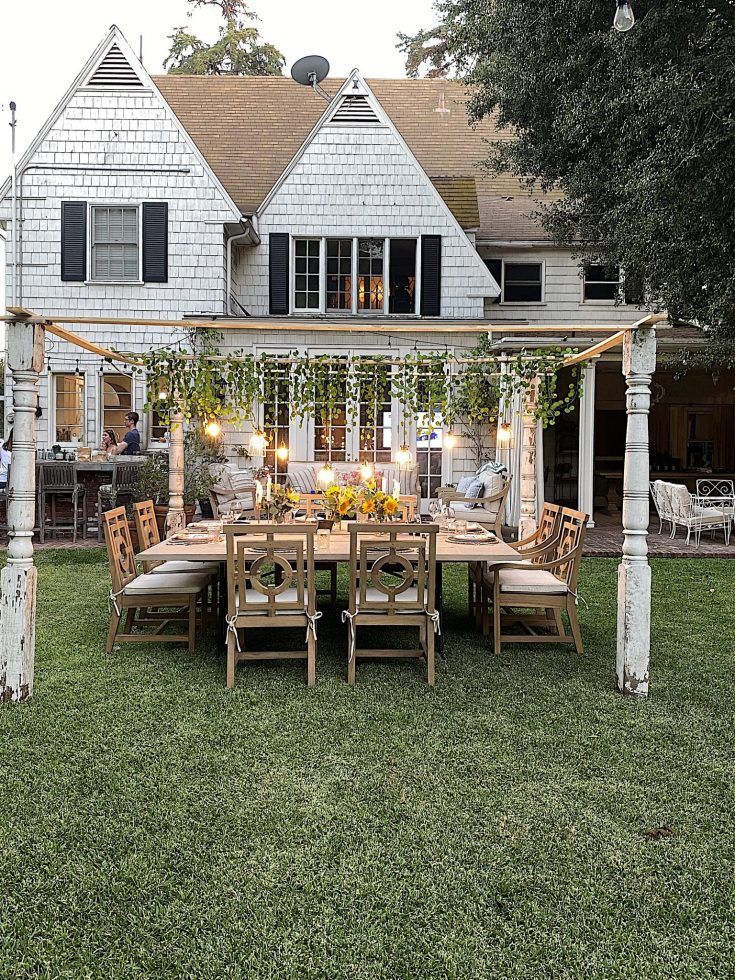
(153, 824)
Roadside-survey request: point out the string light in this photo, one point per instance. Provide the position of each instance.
(325, 476)
(403, 456)
(258, 443)
(282, 452)
(366, 470)
(450, 440)
(504, 433)
(624, 17)
(213, 429)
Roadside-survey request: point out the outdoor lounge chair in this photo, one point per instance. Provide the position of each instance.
(547, 586)
(392, 584)
(154, 596)
(486, 510)
(256, 598)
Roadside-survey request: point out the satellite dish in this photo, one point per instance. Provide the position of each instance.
(310, 70)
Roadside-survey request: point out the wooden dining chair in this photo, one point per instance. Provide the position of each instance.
(392, 584)
(547, 586)
(259, 599)
(151, 596)
(549, 526)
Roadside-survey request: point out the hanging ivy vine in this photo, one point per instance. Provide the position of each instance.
(467, 391)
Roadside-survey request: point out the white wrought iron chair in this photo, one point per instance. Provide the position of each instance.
(721, 491)
(662, 502)
(695, 515)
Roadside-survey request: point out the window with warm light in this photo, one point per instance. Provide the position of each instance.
(68, 408)
(276, 425)
(370, 254)
(117, 401)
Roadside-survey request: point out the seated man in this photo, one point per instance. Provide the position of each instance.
(129, 445)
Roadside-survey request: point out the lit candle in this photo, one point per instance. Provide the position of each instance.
(258, 492)
(385, 484)
(268, 489)
(396, 489)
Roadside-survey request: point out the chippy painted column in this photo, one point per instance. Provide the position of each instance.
(18, 578)
(176, 520)
(585, 479)
(634, 573)
(528, 518)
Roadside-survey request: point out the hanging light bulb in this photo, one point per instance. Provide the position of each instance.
(282, 452)
(450, 440)
(366, 470)
(403, 456)
(504, 433)
(624, 17)
(258, 443)
(162, 395)
(213, 429)
(325, 476)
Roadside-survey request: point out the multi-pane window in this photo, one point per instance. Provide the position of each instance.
(429, 438)
(276, 418)
(68, 407)
(117, 401)
(601, 282)
(522, 282)
(114, 240)
(307, 252)
(330, 420)
(339, 274)
(370, 274)
(376, 427)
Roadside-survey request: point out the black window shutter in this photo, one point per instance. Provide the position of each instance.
(73, 241)
(155, 241)
(431, 275)
(278, 247)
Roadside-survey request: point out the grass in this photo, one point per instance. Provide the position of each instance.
(521, 820)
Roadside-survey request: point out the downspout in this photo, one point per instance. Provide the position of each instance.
(251, 236)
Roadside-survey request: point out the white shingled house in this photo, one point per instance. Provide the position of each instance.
(232, 197)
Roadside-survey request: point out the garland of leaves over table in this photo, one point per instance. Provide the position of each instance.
(462, 391)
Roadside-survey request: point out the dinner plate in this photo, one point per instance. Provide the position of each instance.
(471, 538)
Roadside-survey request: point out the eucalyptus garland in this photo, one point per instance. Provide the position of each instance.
(467, 390)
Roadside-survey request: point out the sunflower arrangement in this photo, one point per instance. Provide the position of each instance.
(341, 502)
(376, 504)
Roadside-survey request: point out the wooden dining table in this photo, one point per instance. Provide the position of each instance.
(491, 552)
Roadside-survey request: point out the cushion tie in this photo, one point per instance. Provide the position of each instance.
(349, 616)
(311, 625)
(232, 628)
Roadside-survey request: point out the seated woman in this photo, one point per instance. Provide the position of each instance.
(109, 439)
(5, 452)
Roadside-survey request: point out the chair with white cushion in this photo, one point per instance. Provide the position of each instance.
(722, 491)
(155, 596)
(483, 504)
(234, 489)
(697, 514)
(259, 599)
(547, 586)
(392, 584)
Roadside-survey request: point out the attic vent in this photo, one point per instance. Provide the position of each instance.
(115, 71)
(355, 110)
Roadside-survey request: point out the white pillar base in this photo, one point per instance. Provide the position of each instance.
(634, 627)
(18, 633)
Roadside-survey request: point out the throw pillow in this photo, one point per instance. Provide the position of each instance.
(473, 491)
(464, 482)
(302, 479)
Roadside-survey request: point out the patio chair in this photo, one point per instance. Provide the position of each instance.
(148, 536)
(696, 514)
(533, 547)
(547, 586)
(486, 510)
(57, 481)
(723, 491)
(258, 599)
(152, 595)
(121, 489)
(661, 501)
(392, 584)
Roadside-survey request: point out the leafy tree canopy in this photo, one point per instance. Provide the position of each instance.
(637, 130)
(238, 50)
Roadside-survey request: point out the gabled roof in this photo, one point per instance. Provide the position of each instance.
(249, 129)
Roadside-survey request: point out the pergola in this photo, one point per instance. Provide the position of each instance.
(26, 339)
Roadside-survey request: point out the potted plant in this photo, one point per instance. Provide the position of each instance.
(279, 503)
(374, 504)
(340, 503)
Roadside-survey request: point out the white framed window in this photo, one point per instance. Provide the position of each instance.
(601, 283)
(520, 282)
(68, 405)
(375, 431)
(114, 240)
(355, 275)
(276, 418)
(116, 401)
(307, 274)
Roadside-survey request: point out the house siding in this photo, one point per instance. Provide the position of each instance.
(361, 181)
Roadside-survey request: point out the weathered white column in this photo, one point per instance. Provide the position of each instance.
(585, 476)
(634, 573)
(18, 578)
(176, 520)
(528, 519)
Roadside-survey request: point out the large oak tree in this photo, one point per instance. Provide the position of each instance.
(636, 129)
